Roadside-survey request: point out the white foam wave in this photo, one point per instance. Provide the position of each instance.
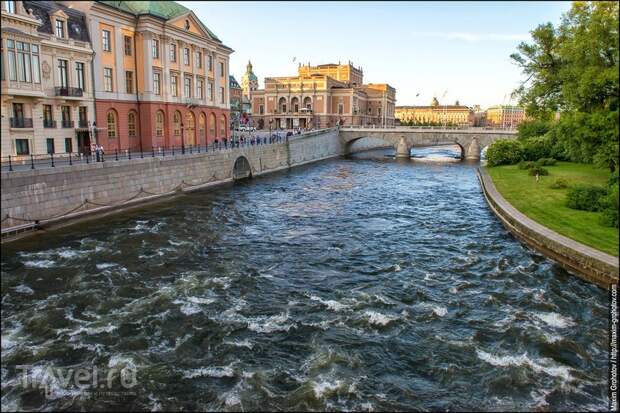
(40, 263)
(331, 304)
(555, 320)
(270, 324)
(105, 265)
(542, 365)
(440, 311)
(245, 343)
(376, 318)
(217, 372)
(24, 289)
(187, 308)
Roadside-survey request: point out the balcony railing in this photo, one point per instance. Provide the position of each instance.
(83, 124)
(21, 122)
(68, 91)
(68, 124)
(49, 123)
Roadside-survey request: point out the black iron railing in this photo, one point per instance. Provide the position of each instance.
(21, 122)
(68, 124)
(40, 161)
(68, 91)
(83, 124)
(48, 123)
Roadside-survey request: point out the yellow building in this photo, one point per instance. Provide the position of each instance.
(323, 96)
(504, 116)
(436, 114)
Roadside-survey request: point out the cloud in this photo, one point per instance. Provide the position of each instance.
(473, 37)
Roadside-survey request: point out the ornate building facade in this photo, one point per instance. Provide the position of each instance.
(161, 76)
(323, 96)
(46, 71)
(436, 114)
(236, 99)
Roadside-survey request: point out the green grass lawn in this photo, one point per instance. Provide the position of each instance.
(547, 206)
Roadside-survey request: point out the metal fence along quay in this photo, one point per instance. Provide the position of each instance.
(14, 163)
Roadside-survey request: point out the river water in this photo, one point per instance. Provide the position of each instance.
(351, 284)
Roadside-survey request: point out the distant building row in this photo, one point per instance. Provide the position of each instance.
(126, 74)
(505, 116)
(318, 97)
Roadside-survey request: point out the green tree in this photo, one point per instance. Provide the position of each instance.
(574, 69)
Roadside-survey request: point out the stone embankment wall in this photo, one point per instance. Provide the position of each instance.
(586, 262)
(56, 195)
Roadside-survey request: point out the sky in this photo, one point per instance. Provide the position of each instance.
(451, 50)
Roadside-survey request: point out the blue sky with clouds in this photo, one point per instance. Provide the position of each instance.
(460, 49)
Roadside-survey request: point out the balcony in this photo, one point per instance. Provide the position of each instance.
(48, 123)
(68, 124)
(83, 124)
(73, 92)
(21, 122)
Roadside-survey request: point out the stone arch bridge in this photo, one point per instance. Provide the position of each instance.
(471, 141)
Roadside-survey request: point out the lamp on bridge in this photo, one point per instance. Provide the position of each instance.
(182, 140)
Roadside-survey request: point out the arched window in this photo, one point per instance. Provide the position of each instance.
(111, 118)
(308, 102)
(223, 126)
(282, 105)
(212, 124)
(159, 123)
(131, 123)
(295, 105)
(177, 123)
(202, 125)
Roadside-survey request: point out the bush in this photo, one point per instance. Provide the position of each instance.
(559, 183)
(525, 164)
(504, 152)
(538, 170)
(546, 162)
(585, 197)
(536, 148)
(609, 206)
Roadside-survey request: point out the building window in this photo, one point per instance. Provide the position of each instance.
(186, 56)
(340, 108)
(107, 79)
(111, 118)
(68, 145)
(210, 63)
(212, 124)
(129, 81)
(210, 90)
(10, 6)
(131, 124)
(62, 73)
(174, 87)
(22, 147)
(36, 72)
(18, 112)
(159, 124)
(201, 125)
(48, 118)
(128, 45)
(60, 28)
(261, 109)
(10, 44)
(83, 116)
(155, 45)
(199, 60)
(106, 41)
(173, 52)
(79, 71)
(65, 112)
(177, 123)
(221, 95)
(188, 87)
(156, 83)
(23, 61)
(50, 145)
(221, 69)
(200, 89)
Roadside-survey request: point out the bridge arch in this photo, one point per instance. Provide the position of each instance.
(242, 169)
